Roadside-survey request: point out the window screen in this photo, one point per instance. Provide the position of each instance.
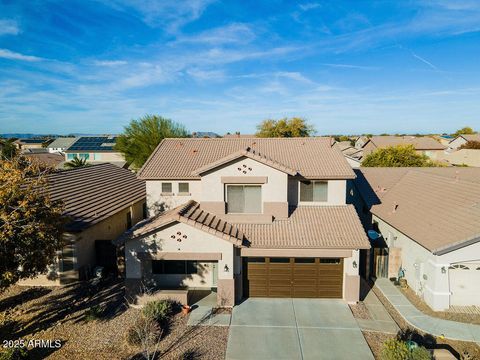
(313, 191)
(183, 188)
(244, 199)
(166, 187)
(174, 267)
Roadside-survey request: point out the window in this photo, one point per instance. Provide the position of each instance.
(304, 260)
(330, 261)
(71, 156)
(183, 188)
(85, 156)
(174, 267)
(280, 260)
(256, 259)
(129, 220)
(167, 187)
(145, 210)
(459, 267)
(245, 199)
(313, 191)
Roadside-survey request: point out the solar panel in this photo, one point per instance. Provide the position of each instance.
(93, 143)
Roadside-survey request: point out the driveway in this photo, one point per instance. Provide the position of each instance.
(295, 329)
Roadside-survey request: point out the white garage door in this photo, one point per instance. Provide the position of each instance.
(465, 284)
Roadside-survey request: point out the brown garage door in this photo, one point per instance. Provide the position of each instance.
(294, 277)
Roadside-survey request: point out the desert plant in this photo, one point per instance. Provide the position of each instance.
(158, 310)
(394, 349)
(94, 313)
(145, 333)
(420, 353)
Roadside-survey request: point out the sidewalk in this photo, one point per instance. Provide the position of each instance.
(434, 326)
(381, 319)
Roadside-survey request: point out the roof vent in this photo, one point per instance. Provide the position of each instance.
(395, 207)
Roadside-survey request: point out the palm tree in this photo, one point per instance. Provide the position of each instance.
(76, 163)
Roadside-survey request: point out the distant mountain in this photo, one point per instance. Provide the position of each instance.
(30, 136)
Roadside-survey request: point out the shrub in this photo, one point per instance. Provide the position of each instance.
(94, 313)
(143, 332)
(158, 310)
(395, 350)
(14, 354)
(420, 353)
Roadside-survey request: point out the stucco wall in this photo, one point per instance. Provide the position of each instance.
(157, 202)
(337, 190)
(456, 143)
(197, 241)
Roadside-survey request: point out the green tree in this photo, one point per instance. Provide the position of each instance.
(293, 127)
(31, 224)
(8, 149)
(76, 163)
(471, 145)
(464, 131)
(397, 156)
(142, 136)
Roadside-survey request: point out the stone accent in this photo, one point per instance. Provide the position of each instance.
(352, 288)
(226, 292)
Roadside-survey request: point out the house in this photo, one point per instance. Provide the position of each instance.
(205, 134)
(95, 150)
(59, 145)
(100, 202)
(25, 144)
(423, 144)
(462, 140)
(360, 142)
(50, 159)
(247, 217)
(462, 157)
(428, 222)
(351, 154)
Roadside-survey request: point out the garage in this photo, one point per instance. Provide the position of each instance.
(464, 280)
(284, 277)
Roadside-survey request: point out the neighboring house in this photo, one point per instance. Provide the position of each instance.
(462, 140)
(360, 142)
(351, 154)
(249, 217)
(422, 144)
(59, 145)
(205, 134)
(428, 219)
(25, 144)
(95, 150)
(462, 157)
(101, 202)
(49, 159)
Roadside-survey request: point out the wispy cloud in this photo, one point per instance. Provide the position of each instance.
(350, 66)
(110, 63)
(309, 6)
(232, 33)
(9, 27)
(7, 54)
(424, 61)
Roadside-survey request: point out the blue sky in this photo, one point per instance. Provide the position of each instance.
(347, 66)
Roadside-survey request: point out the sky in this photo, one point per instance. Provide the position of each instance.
(348, 67)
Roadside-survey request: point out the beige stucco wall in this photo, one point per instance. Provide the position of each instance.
(197, 241)
(423, 270)
(100, 156)
(156, 201)
(456, 143)
(337, 192)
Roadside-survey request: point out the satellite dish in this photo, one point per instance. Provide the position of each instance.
(373, 235)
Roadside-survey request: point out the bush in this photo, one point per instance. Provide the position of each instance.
(158, 310)
(144, 331)
(395, 350)
(14, 354)
(94, 313)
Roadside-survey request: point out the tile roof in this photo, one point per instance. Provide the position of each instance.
(320, 227)
(30, 141)
(312, 158)
(94, 193)
(308, 227)
(437, 207)
(471, 137)
(189, 213)
(419, 142)
(45, 158)
(62, 142)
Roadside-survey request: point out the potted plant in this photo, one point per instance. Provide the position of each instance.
(186, 309)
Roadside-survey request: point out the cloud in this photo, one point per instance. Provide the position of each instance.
(110, 63)
(7, 54)
(232, 33)
(9, 27)
(294, 76)
(424, 61)
(309, 6)
(350, 66)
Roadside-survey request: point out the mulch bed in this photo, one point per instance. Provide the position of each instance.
(456, 347)
(423, 307)
(59, 313)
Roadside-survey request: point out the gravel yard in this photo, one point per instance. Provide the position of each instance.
(423, 307)
(59, 313)
(360, 311)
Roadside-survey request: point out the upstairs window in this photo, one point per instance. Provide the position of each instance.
(244, 199)
(314, 191)
(183, 188)
(167, 187)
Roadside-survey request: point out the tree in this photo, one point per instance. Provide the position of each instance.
(31, 224)
(8, 150)
(142, 136)
(464, 131)
(471, 145)
(293, 127)
(396, 156)
(76, 163)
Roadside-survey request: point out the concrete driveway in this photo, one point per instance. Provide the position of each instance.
(295, 329)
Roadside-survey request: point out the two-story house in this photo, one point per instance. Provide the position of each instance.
(248, 217)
